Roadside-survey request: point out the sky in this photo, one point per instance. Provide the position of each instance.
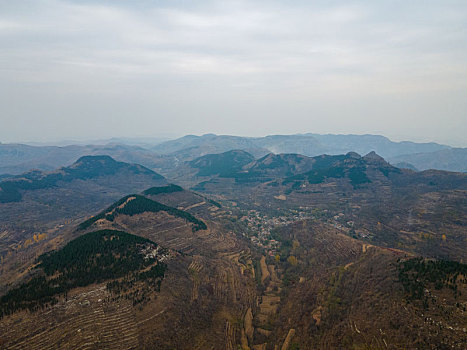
(100, 69)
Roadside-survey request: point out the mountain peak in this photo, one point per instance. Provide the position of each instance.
(373, 156)
(105, 165)
(85, 168)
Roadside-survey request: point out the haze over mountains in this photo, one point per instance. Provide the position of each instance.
(168, 180)
(224, 242)
(306, 144)
(18, 158)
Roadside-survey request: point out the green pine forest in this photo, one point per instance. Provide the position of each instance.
(91, 258)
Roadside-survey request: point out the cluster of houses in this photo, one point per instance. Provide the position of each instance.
(260, 226)
(153, 252)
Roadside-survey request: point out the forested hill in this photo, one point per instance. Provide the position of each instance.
(224, 164)
(85, 168)
(134, 204)
(93, 166)
(292, 167)
(92, 258)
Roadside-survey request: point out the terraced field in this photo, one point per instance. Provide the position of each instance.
(86, 320)
(346, 293)
(315, 287)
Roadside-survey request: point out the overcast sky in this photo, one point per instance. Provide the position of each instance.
(99, 69)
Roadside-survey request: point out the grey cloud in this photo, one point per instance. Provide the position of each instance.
(322, 66)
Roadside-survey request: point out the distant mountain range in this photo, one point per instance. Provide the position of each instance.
(452, 159)
(85, 168)
(166, 156)
(18, 158)
(420, 156)
(306, 144)
(244, 168)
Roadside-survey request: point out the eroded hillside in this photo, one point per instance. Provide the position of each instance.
(283, 252)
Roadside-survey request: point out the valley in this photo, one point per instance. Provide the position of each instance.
(233, 175)
(278, 252)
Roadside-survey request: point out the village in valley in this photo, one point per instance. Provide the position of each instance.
(260, 226)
